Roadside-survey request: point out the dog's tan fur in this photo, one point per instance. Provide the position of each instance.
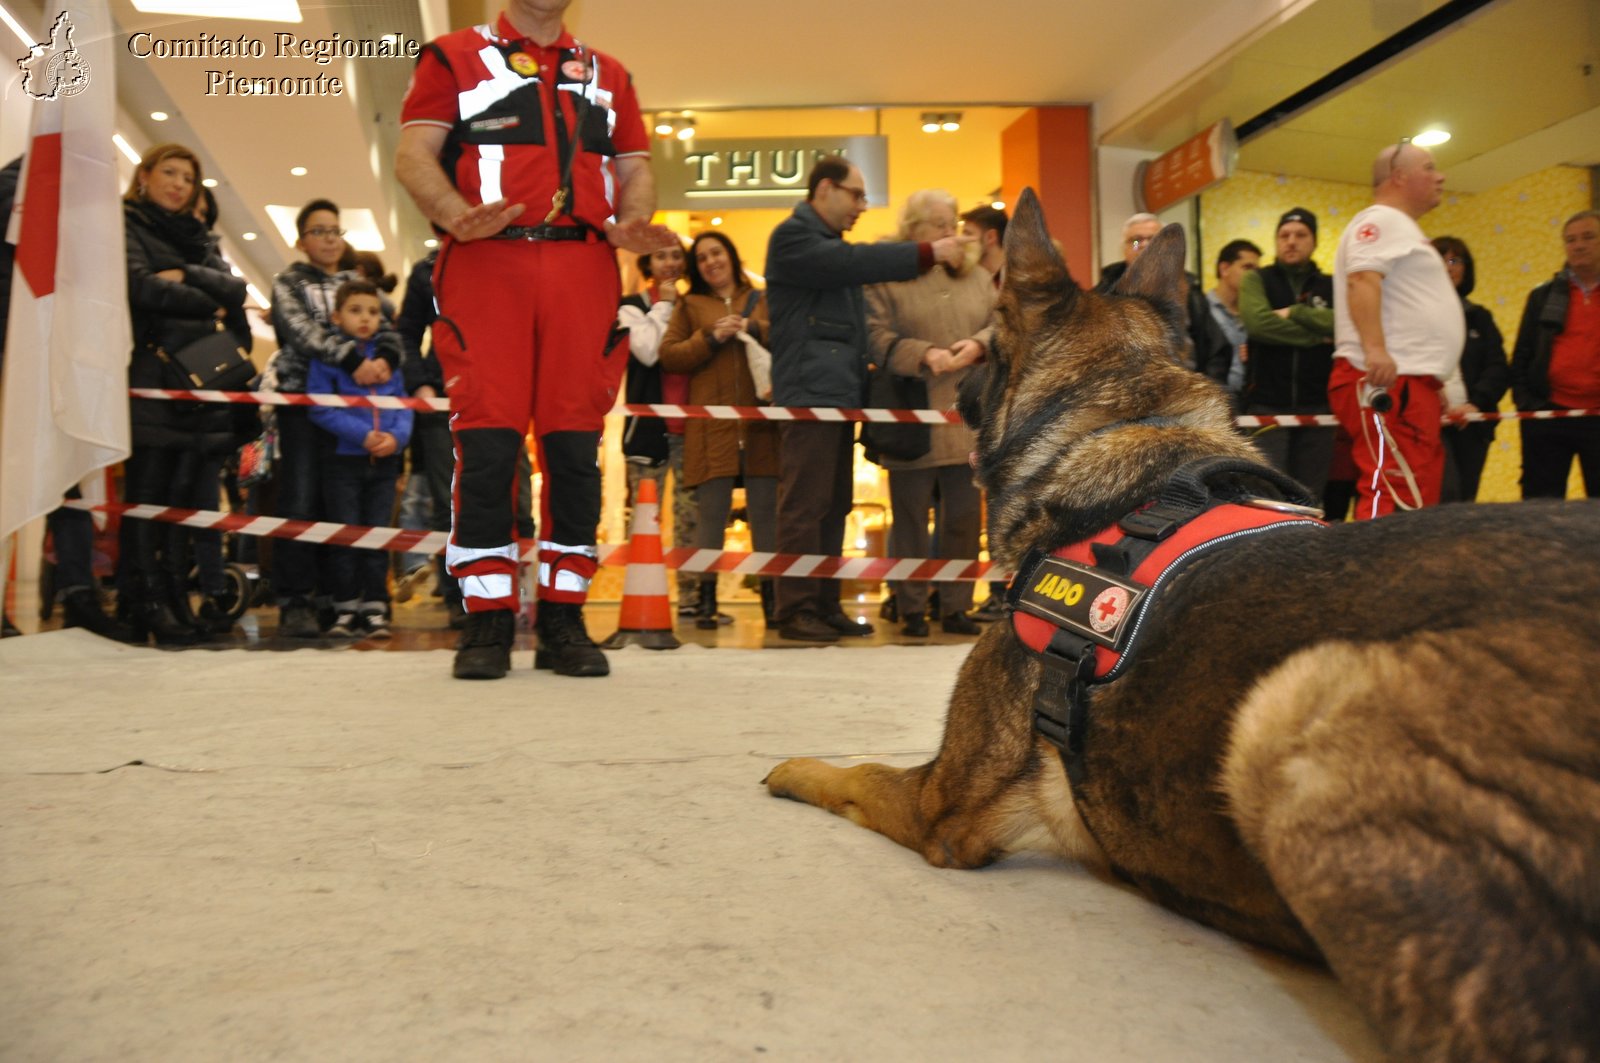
(1377, 745)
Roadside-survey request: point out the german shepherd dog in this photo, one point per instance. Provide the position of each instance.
(1374, 745)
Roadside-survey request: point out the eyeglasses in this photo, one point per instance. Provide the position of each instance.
(321, 232)
(1136, 242)
(1394, 160)
(858, 194)
(1454, 261)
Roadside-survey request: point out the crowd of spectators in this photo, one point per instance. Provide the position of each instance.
(831, 323)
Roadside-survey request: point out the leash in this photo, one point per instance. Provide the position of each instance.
(1378, 401)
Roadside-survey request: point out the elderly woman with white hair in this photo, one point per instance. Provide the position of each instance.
(933, 329)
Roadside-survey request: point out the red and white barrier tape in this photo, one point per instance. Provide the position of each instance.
(687, 559)
(821, 414)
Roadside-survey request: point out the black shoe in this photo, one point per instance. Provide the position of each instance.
(960, 624)
(916, 627)
(890, 609)
(213, 618)
(992, 609)
(706, 617)
(8, 630)
(158, 620)
(81, 608)
(769, 601)
(845, 625)
(807, 627)
(298, 620)
(484, 651)
(564, 643)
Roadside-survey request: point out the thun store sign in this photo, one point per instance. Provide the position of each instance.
(729, 174)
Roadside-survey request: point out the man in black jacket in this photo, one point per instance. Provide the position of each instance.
(1287, 311)
(819, 358)
(1208, 350)
(1556, 365)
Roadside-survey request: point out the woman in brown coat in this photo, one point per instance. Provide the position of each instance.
(935, 328)
(703, 341)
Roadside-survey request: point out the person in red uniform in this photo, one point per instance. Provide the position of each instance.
(525, 147)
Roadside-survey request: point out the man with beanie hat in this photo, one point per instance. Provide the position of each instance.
(1287, 311)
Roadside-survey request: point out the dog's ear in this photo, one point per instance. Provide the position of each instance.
(1158, 271)
(1032, 261)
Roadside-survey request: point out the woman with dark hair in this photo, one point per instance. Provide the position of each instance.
(179, 289)
(1484, 372)
(704, 341)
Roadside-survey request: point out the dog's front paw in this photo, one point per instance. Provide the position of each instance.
(788, 778)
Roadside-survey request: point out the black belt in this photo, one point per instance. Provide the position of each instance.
(545, 232)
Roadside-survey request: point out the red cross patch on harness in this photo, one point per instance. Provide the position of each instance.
(1367, 233)
(1108, 609)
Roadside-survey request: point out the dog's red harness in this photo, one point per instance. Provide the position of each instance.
(1081, 608)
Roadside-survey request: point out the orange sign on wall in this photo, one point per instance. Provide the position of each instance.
(1188, 169)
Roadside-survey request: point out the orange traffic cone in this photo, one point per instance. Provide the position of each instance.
(646, 616)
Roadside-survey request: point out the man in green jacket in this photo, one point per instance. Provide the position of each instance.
(1287, 312)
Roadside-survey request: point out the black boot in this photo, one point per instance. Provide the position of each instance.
(156, 618)
(705, 611)
(213, 618)
(484, 650)
(80, 607)
(769, 600)
(564, 643)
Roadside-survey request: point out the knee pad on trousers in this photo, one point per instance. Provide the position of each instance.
(570, 461)
(486, 463)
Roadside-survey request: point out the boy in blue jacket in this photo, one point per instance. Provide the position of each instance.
(358, 483)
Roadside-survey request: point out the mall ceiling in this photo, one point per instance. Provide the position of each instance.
(1518, 83)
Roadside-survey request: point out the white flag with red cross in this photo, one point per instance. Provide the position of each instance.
(65, 410)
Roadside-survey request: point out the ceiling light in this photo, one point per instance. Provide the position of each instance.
(716, 221)
(998, 204)
(1430, 138)
(256, 10)
(297, 171)
(941, 121)
(247, 236)
(664, 129)
(16, 27)
(210, 182)
(930, 127)
(686, 129)
(160, 116)
(950, 126)
(127, 149)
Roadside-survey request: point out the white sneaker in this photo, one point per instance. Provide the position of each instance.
(375, 626)
(344, 626)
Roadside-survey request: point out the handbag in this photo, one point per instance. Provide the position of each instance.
(756, 356)
(212, 363)
(896, 441)
(258, 457)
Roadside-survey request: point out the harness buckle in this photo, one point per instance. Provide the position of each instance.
(1061, 702)
(1155, 522)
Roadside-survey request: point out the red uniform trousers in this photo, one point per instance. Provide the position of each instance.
(1413, 424)
(523, 332)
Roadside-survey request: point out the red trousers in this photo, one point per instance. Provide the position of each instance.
(522, 334)
(1413, 425)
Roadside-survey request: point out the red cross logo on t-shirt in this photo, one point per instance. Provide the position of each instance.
(1367, 233)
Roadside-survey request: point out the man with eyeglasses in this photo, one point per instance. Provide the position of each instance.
(819, 358)
(1399, 327)
(302, 305)
(1556, 365)
(1207, 349)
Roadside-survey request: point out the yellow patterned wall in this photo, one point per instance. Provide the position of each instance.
(1514, 232)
